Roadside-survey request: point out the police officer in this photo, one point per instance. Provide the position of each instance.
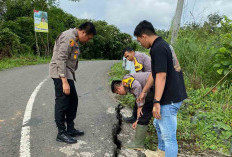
(62, 69)
(142, 63)
(134, 83)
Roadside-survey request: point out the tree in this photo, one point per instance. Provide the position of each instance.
(18, 20)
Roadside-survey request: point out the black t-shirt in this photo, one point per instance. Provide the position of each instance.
(164, 60)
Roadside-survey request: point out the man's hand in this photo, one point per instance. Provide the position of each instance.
(65, 85)
(134, 125)
(66, 88)
(156, 111)
(141, 97)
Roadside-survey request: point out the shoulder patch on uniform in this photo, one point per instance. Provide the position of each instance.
(138, 66)
(128, 82)
(72, 42)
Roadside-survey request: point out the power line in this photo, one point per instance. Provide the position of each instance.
(191, 12)
(194, 5)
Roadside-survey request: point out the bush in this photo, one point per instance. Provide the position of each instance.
(205, 52)
(196, 58)
(223, 57)
(206, 122)
(9, 43)
(108, 43)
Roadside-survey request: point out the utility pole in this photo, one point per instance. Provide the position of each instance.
(176, 21)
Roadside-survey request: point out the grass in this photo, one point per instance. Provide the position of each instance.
(22, 60)
(204, 123)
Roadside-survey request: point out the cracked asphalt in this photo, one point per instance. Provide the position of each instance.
(95, 114)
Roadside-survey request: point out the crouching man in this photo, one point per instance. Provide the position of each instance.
(142, 63)
(134, 83)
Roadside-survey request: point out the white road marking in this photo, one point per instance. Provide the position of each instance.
(25, 133)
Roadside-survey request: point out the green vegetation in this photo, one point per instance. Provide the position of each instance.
(17, 35)
(205, 122)
(205, 55)
(22, 60)
(205, 52)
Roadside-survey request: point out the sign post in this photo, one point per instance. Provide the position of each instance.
(41, 25)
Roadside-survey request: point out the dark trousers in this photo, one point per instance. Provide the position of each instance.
(65, 105)
(134, 112)
(147, 109)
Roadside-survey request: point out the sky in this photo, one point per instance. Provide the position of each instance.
(126, 14)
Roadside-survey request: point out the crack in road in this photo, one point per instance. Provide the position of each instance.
(117, 129)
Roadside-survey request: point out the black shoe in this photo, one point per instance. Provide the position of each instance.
(75, 132)
(64, 137)
(130, 120)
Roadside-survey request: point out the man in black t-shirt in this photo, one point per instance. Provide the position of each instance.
(170, 91)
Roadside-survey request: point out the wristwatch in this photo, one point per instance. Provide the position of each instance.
(155, 101)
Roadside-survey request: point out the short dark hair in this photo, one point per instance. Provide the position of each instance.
(114, 84)
(144, 27)
(88, 27)
(129, 49)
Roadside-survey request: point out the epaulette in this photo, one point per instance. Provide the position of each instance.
(128, 82)
(138, 66)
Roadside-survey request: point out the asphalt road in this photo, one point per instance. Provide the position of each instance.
(95, 114)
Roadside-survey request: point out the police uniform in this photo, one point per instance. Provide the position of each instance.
(64, 63)
(142, 63)
(134, 83)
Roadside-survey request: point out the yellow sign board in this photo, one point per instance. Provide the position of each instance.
(41, 21)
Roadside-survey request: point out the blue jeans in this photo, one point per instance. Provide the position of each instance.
(166, 129)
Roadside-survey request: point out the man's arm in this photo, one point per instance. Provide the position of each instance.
(136, 90)
(62, 58)
(159, 69)
(159, 85)
(146, 88)
(159, 89)
(139, 113)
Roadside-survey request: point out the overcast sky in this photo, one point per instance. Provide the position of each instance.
(126, 14)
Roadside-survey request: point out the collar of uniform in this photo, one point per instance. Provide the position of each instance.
(136, 54)
(75, 32)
